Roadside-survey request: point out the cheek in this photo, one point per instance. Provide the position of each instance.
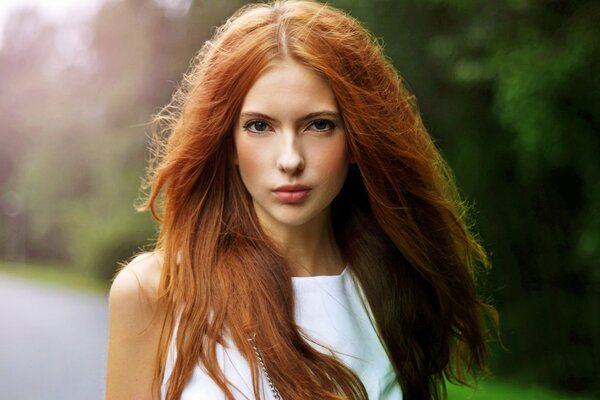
(334, 158)
(336, 155)
(249, 162)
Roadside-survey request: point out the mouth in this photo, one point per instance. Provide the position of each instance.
(292, 194)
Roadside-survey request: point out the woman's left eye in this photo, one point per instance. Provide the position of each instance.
(322, 125)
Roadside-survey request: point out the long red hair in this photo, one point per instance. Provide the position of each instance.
(399, 221)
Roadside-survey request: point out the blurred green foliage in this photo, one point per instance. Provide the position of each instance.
(509, 90)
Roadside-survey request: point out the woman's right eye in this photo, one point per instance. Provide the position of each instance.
(257, 126)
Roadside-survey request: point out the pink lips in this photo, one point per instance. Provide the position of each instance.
(291, 193)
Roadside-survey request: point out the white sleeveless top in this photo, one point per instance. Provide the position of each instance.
(330, 311)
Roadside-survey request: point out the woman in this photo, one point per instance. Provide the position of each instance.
(312, 243)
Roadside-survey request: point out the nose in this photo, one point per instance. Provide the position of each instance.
(291, 158)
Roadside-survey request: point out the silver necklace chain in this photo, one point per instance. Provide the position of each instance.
(261, 362)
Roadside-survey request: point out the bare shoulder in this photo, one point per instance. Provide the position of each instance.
(135, 322)
(138, 281)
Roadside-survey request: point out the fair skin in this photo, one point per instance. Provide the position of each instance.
(291, 154)
(290, 149)
(135, 322)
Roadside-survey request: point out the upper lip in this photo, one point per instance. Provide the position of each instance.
(291, 188)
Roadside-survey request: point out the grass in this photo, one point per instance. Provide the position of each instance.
(53, 275)
(502, 390)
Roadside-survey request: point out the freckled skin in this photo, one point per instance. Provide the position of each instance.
(290, 133)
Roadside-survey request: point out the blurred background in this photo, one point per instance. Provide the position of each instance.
(509, 89)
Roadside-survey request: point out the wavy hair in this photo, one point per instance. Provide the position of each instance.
(399, 221)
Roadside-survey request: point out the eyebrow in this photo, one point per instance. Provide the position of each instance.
(316, 114)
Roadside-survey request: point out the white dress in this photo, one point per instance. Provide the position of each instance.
(330, 311)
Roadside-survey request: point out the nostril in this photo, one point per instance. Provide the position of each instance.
(291, 161)
(292, 166)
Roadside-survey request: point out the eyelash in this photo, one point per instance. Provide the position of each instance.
(330, 125)
(248, 125)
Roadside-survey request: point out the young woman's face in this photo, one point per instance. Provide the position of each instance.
(290, 146)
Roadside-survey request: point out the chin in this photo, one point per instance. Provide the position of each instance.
(291, 218)
(292, 221)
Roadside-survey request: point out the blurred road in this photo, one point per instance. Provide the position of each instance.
(52, 342)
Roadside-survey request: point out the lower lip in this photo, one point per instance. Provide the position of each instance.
(292, 197)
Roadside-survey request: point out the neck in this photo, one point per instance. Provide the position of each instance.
(311, 248)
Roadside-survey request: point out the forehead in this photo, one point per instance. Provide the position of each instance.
(289, 85)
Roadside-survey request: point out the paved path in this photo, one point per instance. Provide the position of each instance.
(52, 342)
